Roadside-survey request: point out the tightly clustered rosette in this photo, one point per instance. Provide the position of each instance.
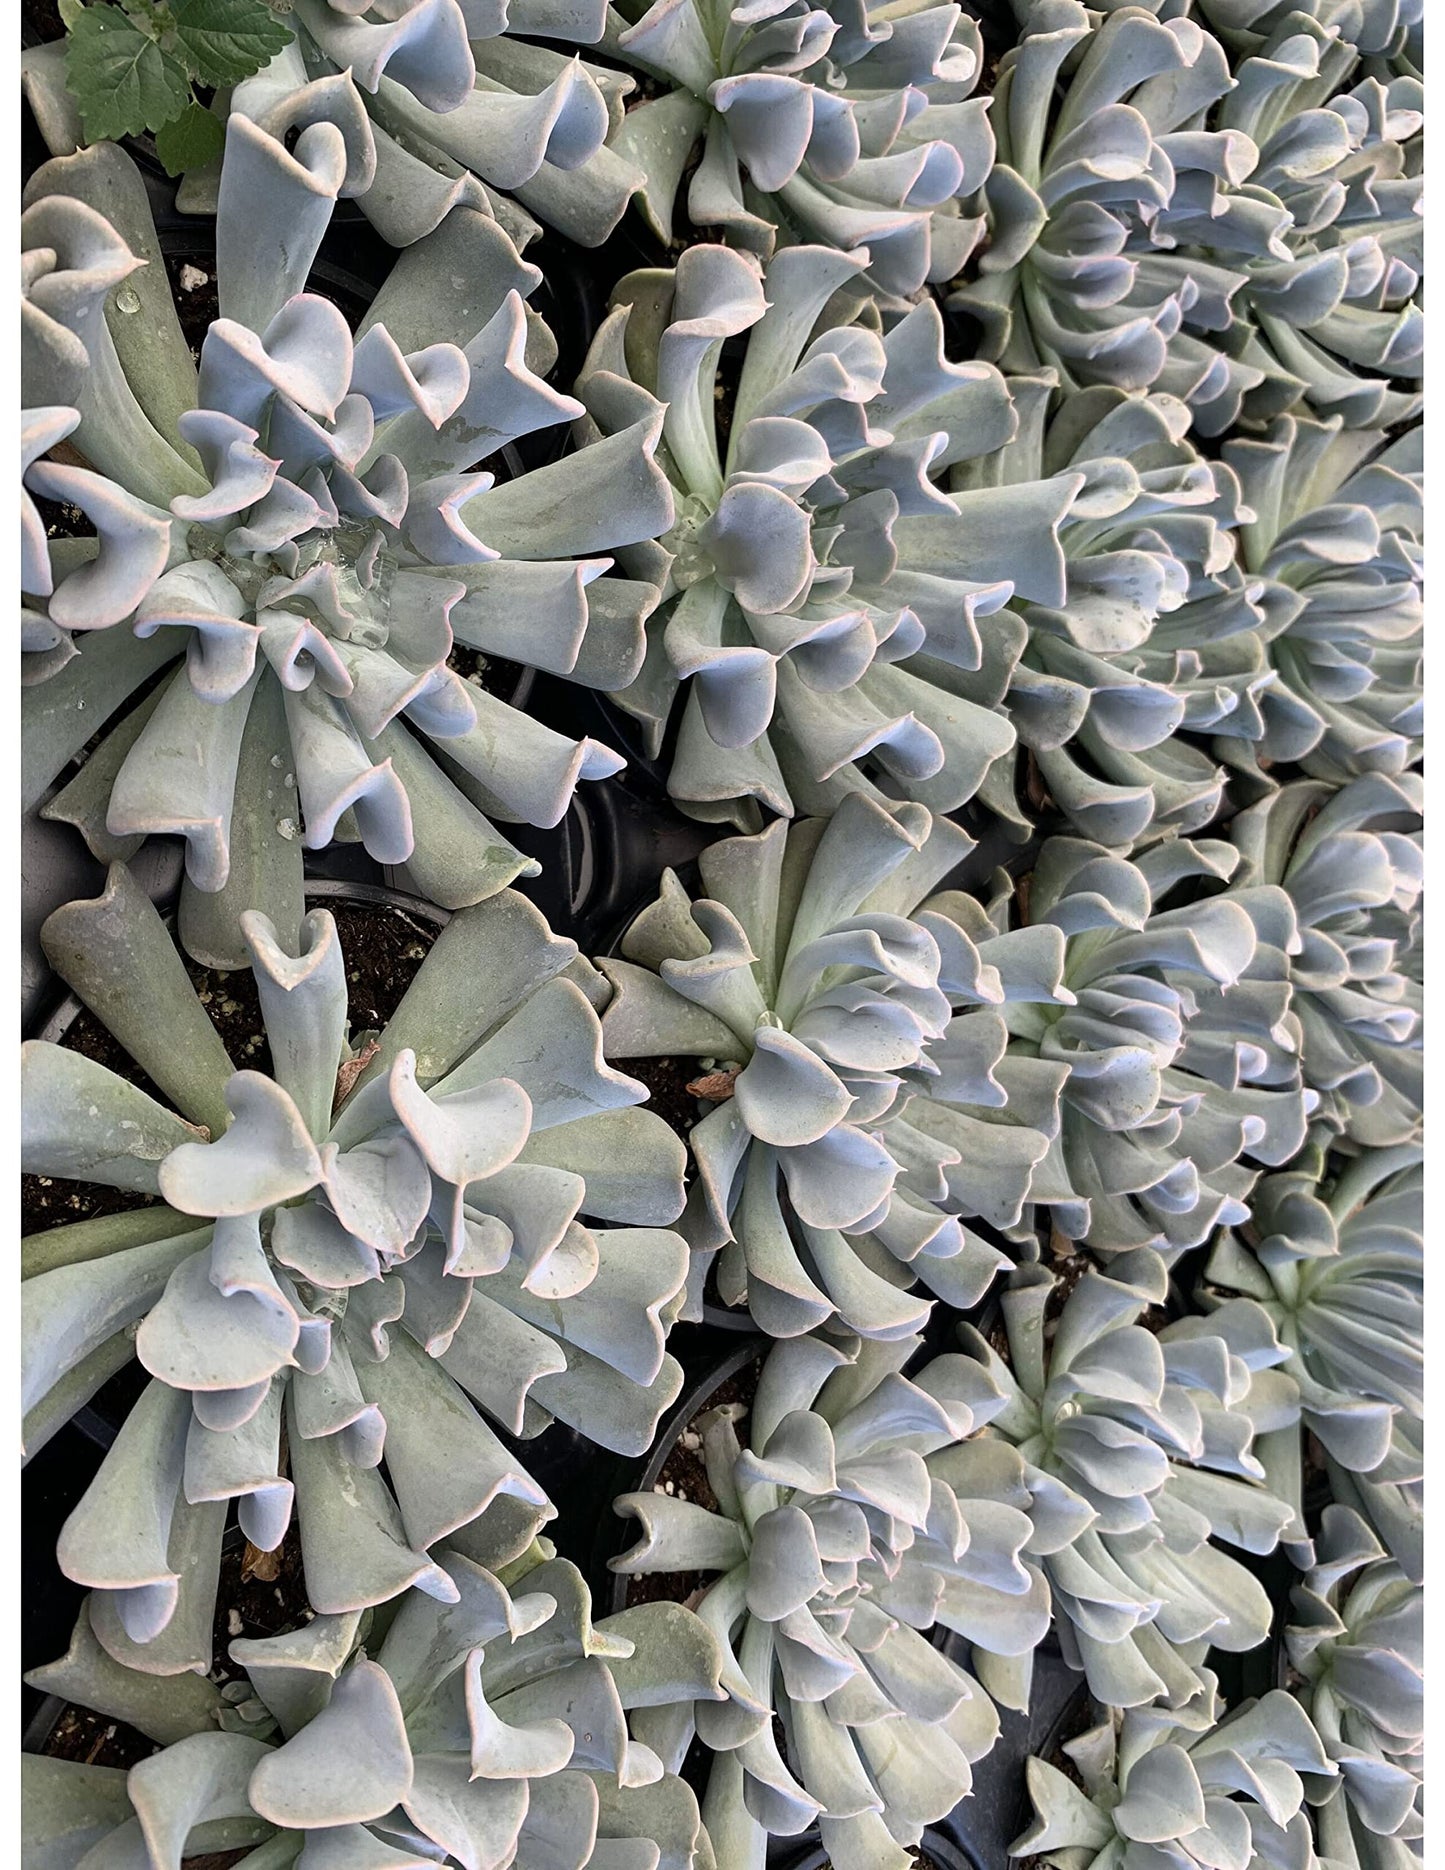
(1191, 1785)
(297, 520)
(1340, 1271)
(483, 1731)
(441, 103)
(1136, 1442)
(990, 505)
(824, 600)
(1177, 1045)
(861, 1109)
(363, 1255)
(849, 1525)
(1245, 237)
(856, 127)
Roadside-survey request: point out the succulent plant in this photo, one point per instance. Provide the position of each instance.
(1340, 1271)
(1383, 31)
(1351, 863)
(364, 1254)
(1246, 242)
(1326, 237)
(846, 1019)
(1136, 1444)
(1157, 629)
(1181, 1786)
(842, 1533)
(309, 502)
(1357, 1640)
(1180, 1044)
(441, 103)
(1337, 537)
(817, 122)
(827, 606)
(70, 585)
(483, 1732)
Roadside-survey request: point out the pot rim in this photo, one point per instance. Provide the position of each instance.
(694, 1395)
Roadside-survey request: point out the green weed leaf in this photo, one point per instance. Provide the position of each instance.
(123, 82)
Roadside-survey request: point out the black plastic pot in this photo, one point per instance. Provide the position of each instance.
(997, 1808)
(51, 1485)
(589, 1526)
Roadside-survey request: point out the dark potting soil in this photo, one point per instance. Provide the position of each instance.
(667, 1079)
(196, 296)
(260, 1594)
(495, 674)
(96, 1740)
(1068, 1265)
(42, 20)
(384, 945)
(62, 520)
(684, 1473)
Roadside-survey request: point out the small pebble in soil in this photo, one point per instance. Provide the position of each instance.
(192, 276)
(234, 1623)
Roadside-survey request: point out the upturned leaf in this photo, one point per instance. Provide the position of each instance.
(224, 41)
(123, 82)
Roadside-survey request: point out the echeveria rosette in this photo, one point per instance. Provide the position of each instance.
(1193, 1787)
(1357, 1643)
(846, 1016)
(1180, 1043)
(320, 511)
(481, 1732)
(1340, 1271)
(1136, 1444)
(378, 1248)
(1325, 236)
(1247, 242)
(1337, 538)
(842, 1535)
(1099, 125)
(1156, 634)
(1380, 30)
(1351, 863)
(828, 621)
(442, 103)
(826, 123)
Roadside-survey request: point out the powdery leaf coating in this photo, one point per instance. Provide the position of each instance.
(304, 521)
(827, 622)
(485, 1731)
(1193, 1783)
(853, 130)
(385, 1278)
(1181, 1040)
(1138, 1439)
(849, 1523)
(1246, 239)
(1351, 863)
(1357, 1641)
(857, 1013)
(1339, 1268)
